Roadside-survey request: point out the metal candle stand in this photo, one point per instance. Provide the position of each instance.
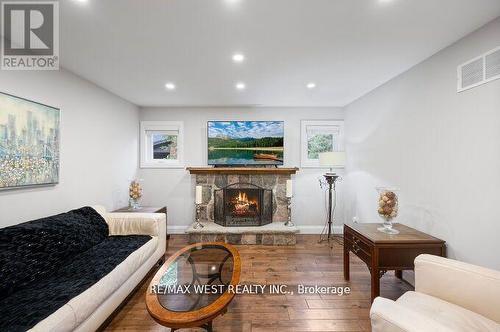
(198, 224)
(289, 222)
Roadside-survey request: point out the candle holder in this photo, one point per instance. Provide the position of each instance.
(289, 222)
(198, 224)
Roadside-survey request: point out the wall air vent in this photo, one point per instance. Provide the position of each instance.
(492, 65)
(483, 69)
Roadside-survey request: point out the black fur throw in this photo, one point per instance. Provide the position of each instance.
(45, 263)
(36, 249)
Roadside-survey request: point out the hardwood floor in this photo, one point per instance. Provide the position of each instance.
(307, 263)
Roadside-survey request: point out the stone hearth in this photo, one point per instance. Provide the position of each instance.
(274, 179)
(275, 233)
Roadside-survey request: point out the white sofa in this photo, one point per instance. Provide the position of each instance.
(87, 311)
(449, 296)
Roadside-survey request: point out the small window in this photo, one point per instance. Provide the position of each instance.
(320, 136)
(161, 144)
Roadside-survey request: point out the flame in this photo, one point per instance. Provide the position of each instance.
(242, 204)
(242, 198)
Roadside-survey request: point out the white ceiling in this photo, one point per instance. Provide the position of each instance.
(347, 47)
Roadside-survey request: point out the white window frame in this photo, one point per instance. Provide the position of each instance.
(147, 160)
(339, 146)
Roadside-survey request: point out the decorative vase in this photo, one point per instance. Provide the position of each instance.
(133, 204)
(388, 206)
(135, 194)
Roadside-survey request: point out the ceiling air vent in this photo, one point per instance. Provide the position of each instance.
(483, 69)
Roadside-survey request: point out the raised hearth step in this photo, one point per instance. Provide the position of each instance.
(275, 233)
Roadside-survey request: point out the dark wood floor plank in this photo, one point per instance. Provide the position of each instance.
(307, 325)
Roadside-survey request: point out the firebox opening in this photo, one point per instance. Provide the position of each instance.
(244, 203)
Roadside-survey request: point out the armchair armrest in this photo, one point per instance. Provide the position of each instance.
(472, 287)
(137, 224)
(389, 316)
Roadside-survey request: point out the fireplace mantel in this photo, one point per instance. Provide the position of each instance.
(242, 170)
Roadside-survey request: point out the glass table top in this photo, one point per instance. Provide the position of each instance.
(196, 279)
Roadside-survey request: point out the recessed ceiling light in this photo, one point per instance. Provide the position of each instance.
(311, 85)
(240, 86)
(170, 86)
(238, 57)
(82, 1)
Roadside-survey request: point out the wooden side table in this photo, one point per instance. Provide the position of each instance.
(147, 209)
(382, 252)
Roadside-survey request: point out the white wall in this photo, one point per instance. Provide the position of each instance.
(175, 187)
(98, 145)
(440, 147)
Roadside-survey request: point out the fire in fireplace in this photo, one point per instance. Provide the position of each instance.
(243, 204)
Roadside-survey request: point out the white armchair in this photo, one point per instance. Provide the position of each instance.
(449, 296)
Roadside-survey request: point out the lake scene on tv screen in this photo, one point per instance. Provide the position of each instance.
(245, 142)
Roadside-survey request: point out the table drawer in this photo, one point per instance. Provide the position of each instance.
(356, 240)
(358, 250)
(405, 256)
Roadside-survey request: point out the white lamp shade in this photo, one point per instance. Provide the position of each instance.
(332, 159)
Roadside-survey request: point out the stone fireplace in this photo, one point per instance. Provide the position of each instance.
(243, 205)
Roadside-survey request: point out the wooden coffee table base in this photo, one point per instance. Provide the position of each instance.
(383, 252)
(206, 326)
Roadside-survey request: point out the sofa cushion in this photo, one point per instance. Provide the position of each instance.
(34, 250)
(447, 314)
(39, 299)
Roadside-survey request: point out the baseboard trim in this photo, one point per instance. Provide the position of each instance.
(317, 229)
(307, 229)
(176, 229)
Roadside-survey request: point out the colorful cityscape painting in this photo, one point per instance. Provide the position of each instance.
(29, 143)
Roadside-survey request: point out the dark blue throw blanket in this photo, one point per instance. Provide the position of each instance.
(46, 262)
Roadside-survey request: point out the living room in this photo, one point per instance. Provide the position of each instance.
(237, 165)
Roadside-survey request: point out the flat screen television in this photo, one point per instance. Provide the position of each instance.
(245, 143)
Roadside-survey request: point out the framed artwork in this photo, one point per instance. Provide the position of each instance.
(29, 143)
(162, 144)
(320, 136)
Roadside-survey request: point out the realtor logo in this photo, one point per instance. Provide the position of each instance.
(30, 35)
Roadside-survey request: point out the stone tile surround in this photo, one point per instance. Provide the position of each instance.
(212, 182)
(275, 233)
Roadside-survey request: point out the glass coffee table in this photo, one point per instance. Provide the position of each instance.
(194, 286)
